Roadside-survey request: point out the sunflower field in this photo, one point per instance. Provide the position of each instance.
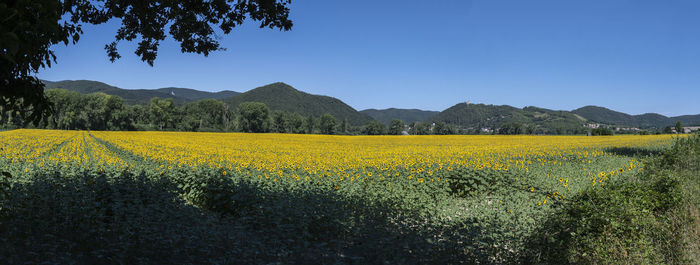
(222, 198)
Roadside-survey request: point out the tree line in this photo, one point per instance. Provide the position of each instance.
(100, 111)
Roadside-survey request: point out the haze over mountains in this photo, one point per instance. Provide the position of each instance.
(280, 96)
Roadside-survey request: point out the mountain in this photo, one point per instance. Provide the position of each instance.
(406, 115)
(688, 120)
(608, 116)
(193, 95)
(539, 120)
(280, 96)
(137, 96)
(603, 115)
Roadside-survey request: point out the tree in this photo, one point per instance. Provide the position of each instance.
(374, 128)
(96, 111)
(279, 121)
(515, 128)
(420, 128)
(679, 127)
(310, 124)
(327, 124)
(254, 117)
(295, 123)
(601, 131)
(442, 128)
(396, 127)
(113, 111)
(123, 119)
(100, 109)
(29, 28)
(343, 126)
(162, 112)
(668, 129)
(205, 114)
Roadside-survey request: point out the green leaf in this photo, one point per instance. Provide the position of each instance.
(8, 58)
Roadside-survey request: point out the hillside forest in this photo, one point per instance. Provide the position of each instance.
(280, 108)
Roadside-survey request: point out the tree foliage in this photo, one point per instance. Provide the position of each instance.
(396, 127)
(162, 111)
(601, 131)
(327, 124)
(442, 128)
(254, 117)
(374, 128)
(420, 128)
(99, 111)
(29, 28)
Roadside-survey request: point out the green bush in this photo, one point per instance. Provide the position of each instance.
(641, 220)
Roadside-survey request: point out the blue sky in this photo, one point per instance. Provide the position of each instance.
(633, 56)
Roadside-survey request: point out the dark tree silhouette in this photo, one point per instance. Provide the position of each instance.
(28, 29)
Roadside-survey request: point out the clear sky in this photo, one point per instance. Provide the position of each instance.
(633, 56)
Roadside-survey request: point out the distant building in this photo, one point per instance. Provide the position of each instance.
(593, 125)
(690, 129)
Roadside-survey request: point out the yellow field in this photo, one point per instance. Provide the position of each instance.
(335, 158)
(315, 153)
(333, 155)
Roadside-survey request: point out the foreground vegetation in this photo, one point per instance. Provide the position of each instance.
(648, 218)
(166, 197)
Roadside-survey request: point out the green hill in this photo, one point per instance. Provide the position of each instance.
(195, 95)
(608, 116)
(603, 115)
(539, 120)
(406, 115)
(688, 120)
(280, 96)
(137, 96)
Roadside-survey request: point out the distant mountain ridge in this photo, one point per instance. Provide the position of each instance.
(533, 119)
(406, 115)
(281, 96)
(608, 116)
(193, 94)
(138, 96)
